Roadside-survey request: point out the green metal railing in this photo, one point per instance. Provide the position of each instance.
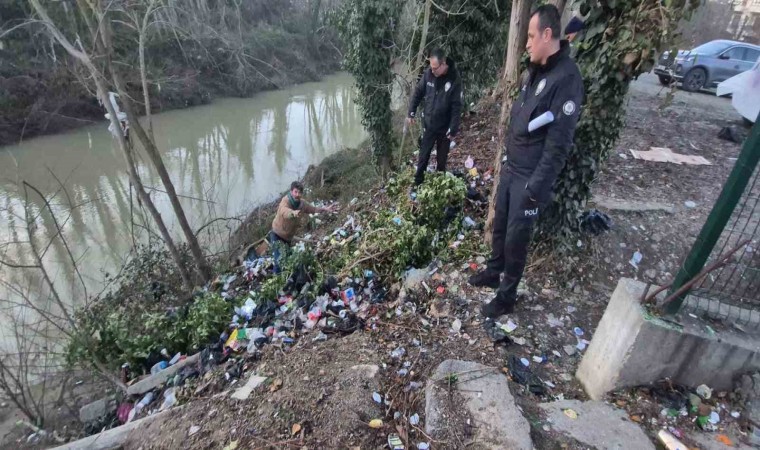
(723, 266)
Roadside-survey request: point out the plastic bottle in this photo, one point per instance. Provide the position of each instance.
(158, 367)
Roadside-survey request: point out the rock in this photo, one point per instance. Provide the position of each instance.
(486, 398)
(651, 274)
(366, 371)
(570, 349)
(244, 392)
(92, 412)
(156, 380)
(598, 425)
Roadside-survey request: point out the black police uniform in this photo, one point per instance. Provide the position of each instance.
(443, 106)
(534, 159)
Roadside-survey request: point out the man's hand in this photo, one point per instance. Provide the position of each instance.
(329, 209)
(410, 121)
(295, 213)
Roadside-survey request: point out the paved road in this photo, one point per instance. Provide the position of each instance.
(648, 84)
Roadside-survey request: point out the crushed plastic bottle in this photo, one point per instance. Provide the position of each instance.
(158, 367)
(398, 353)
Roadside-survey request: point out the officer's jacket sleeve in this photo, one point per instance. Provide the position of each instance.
(419, 94)
(456, 108)
(565, 105)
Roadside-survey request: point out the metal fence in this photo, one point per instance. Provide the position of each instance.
(721, 274)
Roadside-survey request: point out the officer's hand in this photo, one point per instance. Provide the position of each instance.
(410, 120)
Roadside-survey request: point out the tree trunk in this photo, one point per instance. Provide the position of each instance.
(423, 42)
(518, 36)
(102, 92)
(204, 270)
(560, 4)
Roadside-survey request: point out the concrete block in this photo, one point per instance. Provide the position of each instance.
(598, 425)
(92, 412)
(113, 438)
(488, 401)
(631, 347)
(156, 380)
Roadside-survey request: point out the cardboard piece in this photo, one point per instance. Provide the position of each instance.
(662, 154)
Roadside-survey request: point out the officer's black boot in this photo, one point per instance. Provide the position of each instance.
(485, 278)
(498, 307)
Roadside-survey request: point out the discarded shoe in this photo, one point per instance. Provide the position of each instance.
(484, 279)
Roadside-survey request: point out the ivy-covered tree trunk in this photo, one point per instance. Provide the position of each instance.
(366, 27)
(518, 36)
(620, 41)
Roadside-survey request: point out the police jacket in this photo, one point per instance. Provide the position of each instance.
(443, 100)
(538, 153)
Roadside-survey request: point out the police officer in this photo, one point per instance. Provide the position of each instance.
(541, 129)
(441, 88)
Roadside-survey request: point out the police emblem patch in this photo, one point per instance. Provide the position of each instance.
(447, 86)
(541, 85)
(568, 108)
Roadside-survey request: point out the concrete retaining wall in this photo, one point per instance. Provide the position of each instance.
(630, 348)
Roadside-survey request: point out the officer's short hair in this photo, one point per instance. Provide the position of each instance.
(548, 17)
(438, 54)
(296, 185)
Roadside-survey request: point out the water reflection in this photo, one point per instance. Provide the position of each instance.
(224, 159)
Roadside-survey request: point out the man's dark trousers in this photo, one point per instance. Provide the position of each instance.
(512, 227)
(441, 143)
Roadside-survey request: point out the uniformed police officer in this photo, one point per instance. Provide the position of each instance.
(541, 129)
(441, 88)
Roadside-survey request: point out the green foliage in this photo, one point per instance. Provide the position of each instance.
(620, 42)
(475, 40)
(412, 234)
(366, 27)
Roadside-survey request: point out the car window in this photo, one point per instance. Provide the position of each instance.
(751, 55)
(736, 53)
(711, 48)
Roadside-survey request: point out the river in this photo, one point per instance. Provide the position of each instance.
(224, 158)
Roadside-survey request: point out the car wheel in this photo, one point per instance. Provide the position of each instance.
(664, 80)
(694, 80)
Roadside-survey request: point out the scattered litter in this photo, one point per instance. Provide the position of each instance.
(557, 354)
(578, 331)
(689, 204)
(636, 259)
(570, 413)
(730, 134)
(375, 423)
(725, 440)
(538, 359)
(456, 325)
(377, 397)
(395, 442)
(521, 374)
(735, 414)
(525, 362)
(554, 322)
(704, 391)
(571, 309)
(469, 162)
(662, 154)
(550, 384)
(415, 419)
(398, 353)
(670, 442)
(595, 222)
(295, 429)
(714, 418)
(570, 349)
(510, 326)
(193, 429)
(582, 344)
(423, 446)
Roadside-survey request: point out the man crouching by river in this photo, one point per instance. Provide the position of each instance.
(288, 218)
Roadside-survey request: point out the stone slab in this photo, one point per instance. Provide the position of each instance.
(487, 399)
(598, 425)
(709, 441)
(615, 204)
(156, 380)
(242, 393)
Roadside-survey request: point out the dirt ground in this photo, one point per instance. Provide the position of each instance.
(323, 403)
(319, 394)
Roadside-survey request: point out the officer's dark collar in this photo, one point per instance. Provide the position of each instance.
(551, 62)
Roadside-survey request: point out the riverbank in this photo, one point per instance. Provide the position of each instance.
(43, 91)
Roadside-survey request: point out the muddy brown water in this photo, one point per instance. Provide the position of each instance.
(224, 159)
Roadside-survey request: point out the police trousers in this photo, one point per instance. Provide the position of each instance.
(441, 143)
(512, 227)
